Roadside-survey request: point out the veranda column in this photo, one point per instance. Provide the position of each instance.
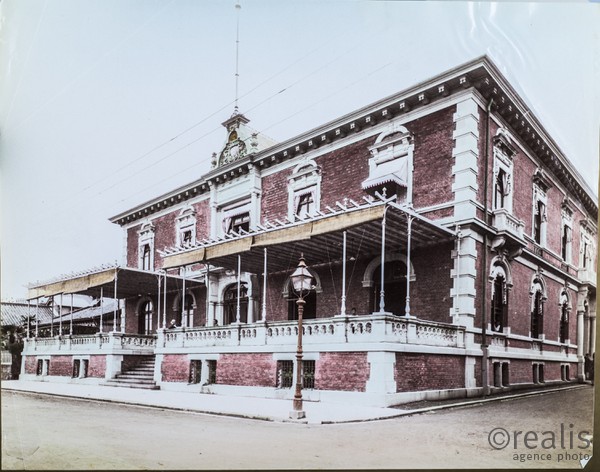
(183, 312)
(158, 301)
(37, 316)
(209, 319)
(101, 307)
(116, 304)
(60, 315)
(165, 302)
(28, 316)
(52, 318)
(343, 307)
(239, 283)
(382, 290)
(71, 318)
(409, 235)
(264, 296)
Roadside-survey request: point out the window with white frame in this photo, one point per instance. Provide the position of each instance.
(390, 167)
(146, 247)
(499, 301)
(566, 240)
(235, 218)
(565, 308)
(503, 170)
(304, 191)
(186, 226)
(538, 297)
(540, 204)
(586, 246)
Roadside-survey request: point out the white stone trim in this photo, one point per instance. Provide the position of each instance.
(367, 280)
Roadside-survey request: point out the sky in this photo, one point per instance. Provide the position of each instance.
(105, 104)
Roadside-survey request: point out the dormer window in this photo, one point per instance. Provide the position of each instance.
(304, 191)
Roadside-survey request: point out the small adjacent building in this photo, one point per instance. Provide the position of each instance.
(451, 242)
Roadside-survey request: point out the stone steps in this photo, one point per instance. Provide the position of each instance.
(139, 376)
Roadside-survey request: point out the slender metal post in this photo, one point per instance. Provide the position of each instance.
(101, 307)
(264, 296)
(207, 321)
(407, 308)
(165, 302)
(382, 290)
(158, 299)
(71, 318)
(37, 316)
(52, 318)
(60, 315)
(343, 307)
(117, 302)
(183, 312)
(299, 354)
(239, 283)
(28, 316)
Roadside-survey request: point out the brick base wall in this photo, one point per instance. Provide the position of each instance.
(61, 365)
(416, 372)
(30, 365)
(258, 370)
(348, 371)
(97, 366)
(175, 368)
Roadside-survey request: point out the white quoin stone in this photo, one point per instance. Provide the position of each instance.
(381, 374)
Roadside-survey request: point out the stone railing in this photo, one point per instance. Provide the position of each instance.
(109, 343)
(338, 329)
(587, 275)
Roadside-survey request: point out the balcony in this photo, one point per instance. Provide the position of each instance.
(587, 276)
(509, 232)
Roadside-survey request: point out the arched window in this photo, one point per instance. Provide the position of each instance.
(499, 315)
(564, 318)
(230, 302)
(145, 314)
(394, 287)
(537, 309)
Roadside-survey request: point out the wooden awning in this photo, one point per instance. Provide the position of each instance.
(129, 283)
(320, 240)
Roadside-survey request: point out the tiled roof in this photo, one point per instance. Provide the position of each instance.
(14, 313)
(90, 313)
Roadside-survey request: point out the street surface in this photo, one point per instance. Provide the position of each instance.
(45, 432)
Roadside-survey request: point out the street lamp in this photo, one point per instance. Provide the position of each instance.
(301, 283)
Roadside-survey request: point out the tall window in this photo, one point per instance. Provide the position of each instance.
(146, 257)
(239, 223)
(186, 226)
(304, 191)
(145, 317)
(539, 221)
(394, 287)
(566, 243)
(499, 304)
(310, 306)
(564, 318)
(188, 311)
(537, 310)
(500, 190)
(230, 303)
(305, 205)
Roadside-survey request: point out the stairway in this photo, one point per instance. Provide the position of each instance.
(141, 375)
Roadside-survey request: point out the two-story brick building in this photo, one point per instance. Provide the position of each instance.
(451, 242)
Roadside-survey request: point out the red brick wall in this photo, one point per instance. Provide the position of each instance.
(433, 150)
(342, 172)
(274, 197)
(30, 365)
(520, 371)
(175, 368)
(61, 365)
(132, 245)
(552, 371)
(415, 372)
(97, 366)
(347, 371)
(430, 292)
(247, 369)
